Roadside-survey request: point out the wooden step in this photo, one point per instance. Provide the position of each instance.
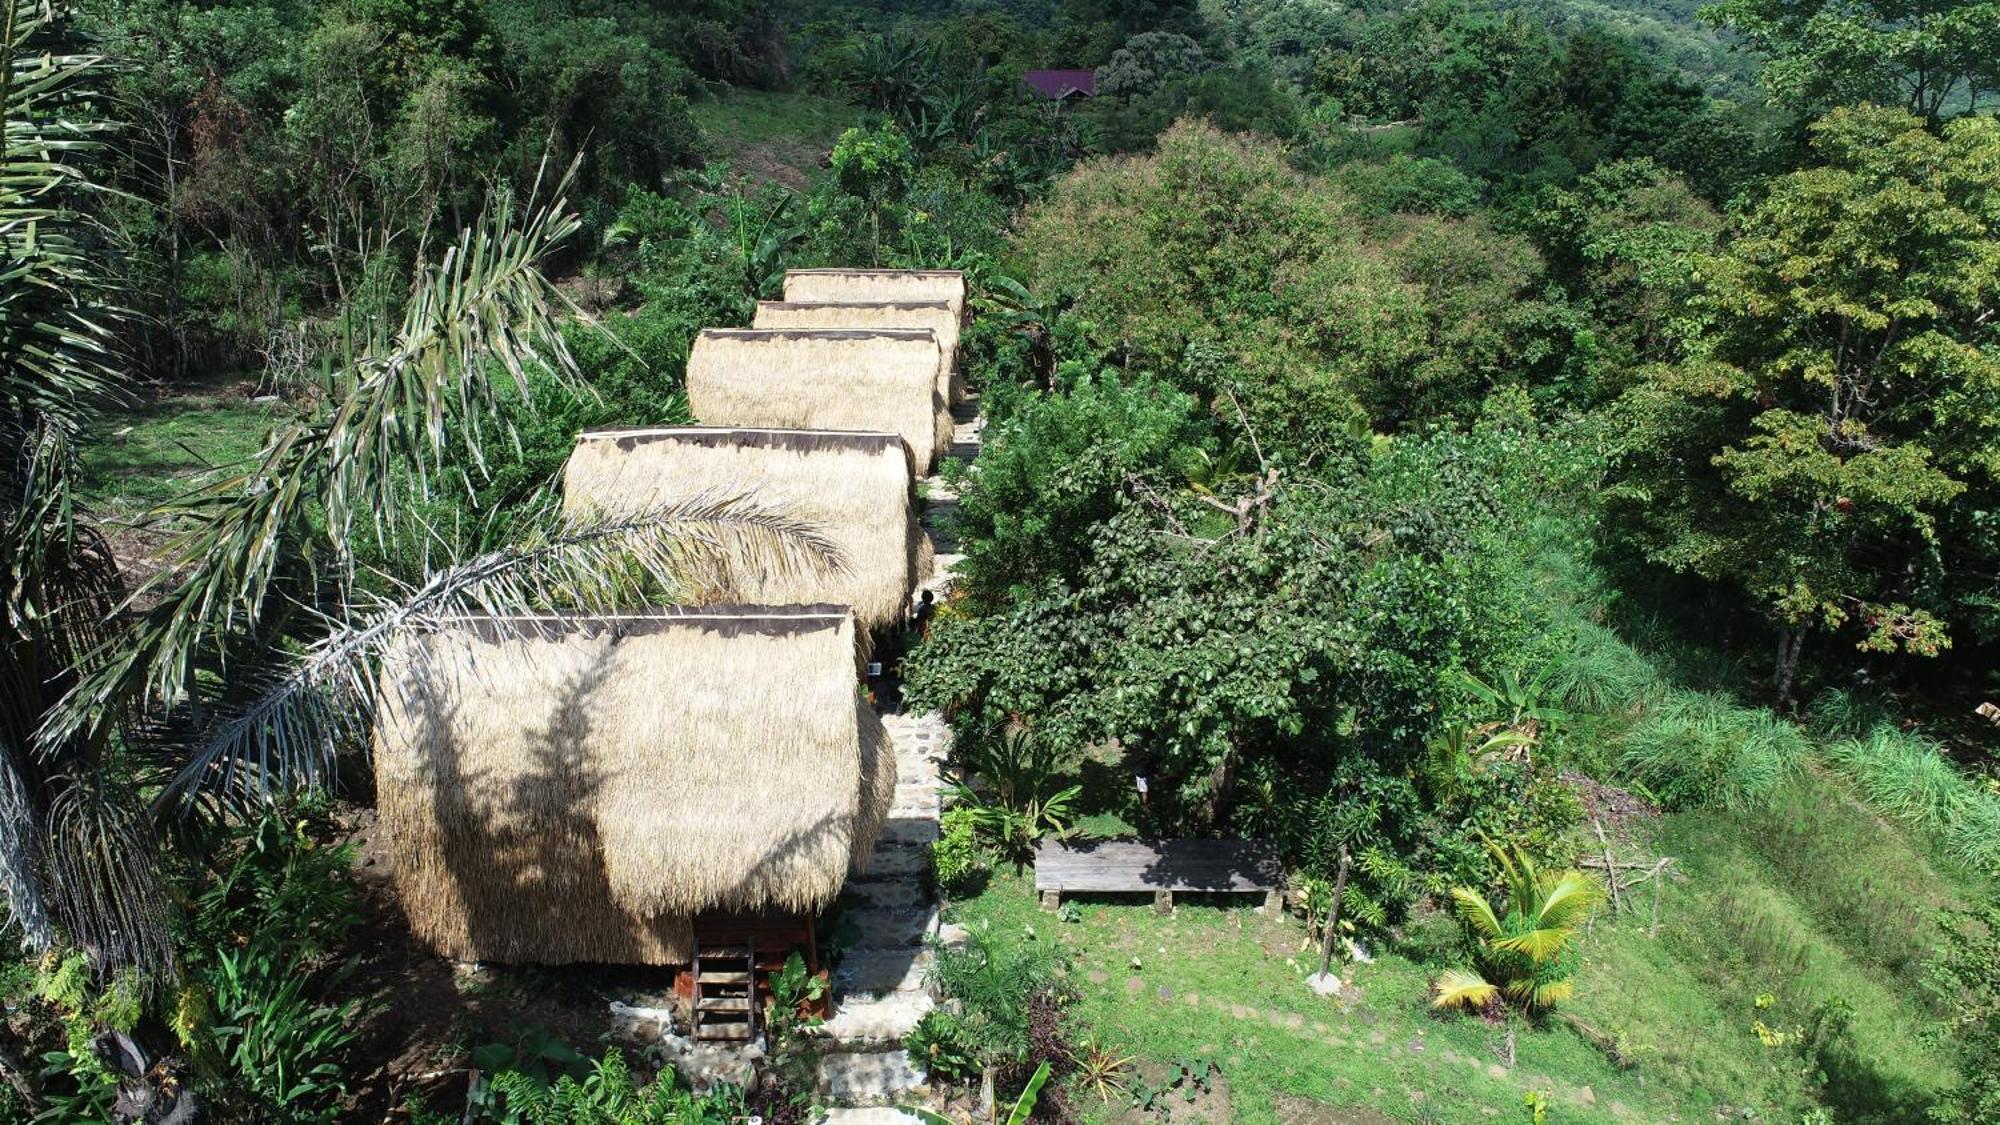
(725, 1004)
(723, 1031)
(721, 952)
(718, 977)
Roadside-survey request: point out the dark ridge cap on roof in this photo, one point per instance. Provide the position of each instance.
(881, 271)
(824, 333)
(884, 304)
(723, 620)
(757, 437)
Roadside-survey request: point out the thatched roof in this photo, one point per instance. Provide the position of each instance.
(855, 488)
(877, 285)
(823, 379)
(939, 316)
(562, 788)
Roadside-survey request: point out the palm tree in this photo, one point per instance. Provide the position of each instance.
(253, 666)
(60, 582)
(1527, 947)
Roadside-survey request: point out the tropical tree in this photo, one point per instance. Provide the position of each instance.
(1527, 944)
(58, 580)
(247, 664)
(1829, 440)
(1935, 58)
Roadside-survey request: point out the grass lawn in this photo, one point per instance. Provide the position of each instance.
(153, 451)
(1782, 908)
(143, 455)
(774, 136)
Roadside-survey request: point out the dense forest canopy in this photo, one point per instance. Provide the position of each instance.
(1413, 433)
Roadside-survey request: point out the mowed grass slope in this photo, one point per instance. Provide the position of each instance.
(1778, 915)
(773, 136)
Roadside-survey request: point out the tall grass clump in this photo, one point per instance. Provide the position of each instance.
(1600, 674)
(1698, 748)
(1909, 777)
(1837, 713)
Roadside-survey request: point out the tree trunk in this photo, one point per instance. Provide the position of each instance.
(1790, 638)
(1333, 916)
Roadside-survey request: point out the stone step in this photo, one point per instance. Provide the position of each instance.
(875, 1021)
(881, 927)
(874, 889)
(871, 1076)
(894, 861)
(908, 830)
(876, 972)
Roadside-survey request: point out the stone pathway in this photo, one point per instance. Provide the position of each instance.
(887, 922)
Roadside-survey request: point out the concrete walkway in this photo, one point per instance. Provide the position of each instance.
(887, 921)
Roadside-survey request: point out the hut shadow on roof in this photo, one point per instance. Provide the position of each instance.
(527, 875)
(520, 861)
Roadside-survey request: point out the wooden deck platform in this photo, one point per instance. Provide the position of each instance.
(1161, 867)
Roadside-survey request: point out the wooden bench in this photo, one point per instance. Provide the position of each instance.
(1163, 867)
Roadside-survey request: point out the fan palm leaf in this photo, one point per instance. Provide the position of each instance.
(1476, 912)
(1457, 988)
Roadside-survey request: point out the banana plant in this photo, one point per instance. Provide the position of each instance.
(1019, 1113)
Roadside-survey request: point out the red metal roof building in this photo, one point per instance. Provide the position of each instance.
(1061, 84)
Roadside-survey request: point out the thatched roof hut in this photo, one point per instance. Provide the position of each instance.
(561, 788)
(823, 379)
(878, 285)
(855, 488)
(938, 316)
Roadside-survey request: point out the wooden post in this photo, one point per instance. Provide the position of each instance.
(1274, 902)
(1333, 916)
(1163, 903)
(1659, 876)
(1052, 899)
(1610, 868)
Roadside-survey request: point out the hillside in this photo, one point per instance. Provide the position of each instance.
(592, 563)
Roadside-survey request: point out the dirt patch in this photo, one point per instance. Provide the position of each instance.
(424, 1014)
(1614, 807)
(1294, 1110)
(786, 161)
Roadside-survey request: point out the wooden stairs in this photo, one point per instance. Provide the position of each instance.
(726, 987)
(728, 982)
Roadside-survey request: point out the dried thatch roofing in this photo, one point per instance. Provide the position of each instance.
(855, 488)
(562, 788)
(877, 285)
(823, 379)
(939, 316)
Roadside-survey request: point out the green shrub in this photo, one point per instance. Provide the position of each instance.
(995, 984)
(1696, 748)
(1600, 674)
(609, 1094)
(941, 1044)
(284, 1048)
(958, 861)
(1909, 777)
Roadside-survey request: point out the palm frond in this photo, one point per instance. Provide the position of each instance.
(485, 306)
(1536, 945)
(1551, 993)
(298, 718)
(1566, 897)
(1476, 911)
(1458, 988)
